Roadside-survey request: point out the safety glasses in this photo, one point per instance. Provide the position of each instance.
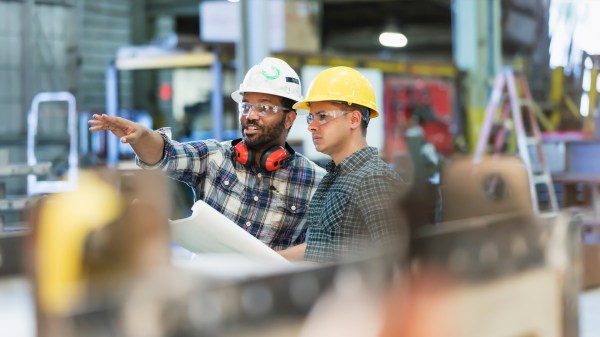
(262, 109)
(324, 117)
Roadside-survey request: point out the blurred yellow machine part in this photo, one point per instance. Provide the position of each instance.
(65, 221)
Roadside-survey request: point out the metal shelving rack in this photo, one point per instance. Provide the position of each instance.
(17, 203)
(173, 61)
(34, 171)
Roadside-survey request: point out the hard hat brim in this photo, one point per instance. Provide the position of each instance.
(238, 95)
(304, 107)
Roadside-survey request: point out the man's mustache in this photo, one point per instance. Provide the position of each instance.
(253, 124)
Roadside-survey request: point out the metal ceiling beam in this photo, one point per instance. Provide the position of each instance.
(440, 2)
(170, 7)
(347, 1)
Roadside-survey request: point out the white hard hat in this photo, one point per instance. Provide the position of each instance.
(271, 76)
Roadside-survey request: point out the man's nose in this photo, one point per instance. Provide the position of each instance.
(253, 114)
(312, 125)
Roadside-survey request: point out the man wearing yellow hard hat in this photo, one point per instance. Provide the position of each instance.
(352, 211)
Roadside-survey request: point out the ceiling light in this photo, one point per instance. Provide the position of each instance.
(393, 39)
(233, 0)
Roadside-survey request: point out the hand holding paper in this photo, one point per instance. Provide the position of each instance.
(208, 231)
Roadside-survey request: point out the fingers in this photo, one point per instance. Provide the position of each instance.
(105, 119)
(100, 126)
(97, 123)
(96, 128)
(105, 122)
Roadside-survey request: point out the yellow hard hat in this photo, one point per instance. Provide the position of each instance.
(342, 84)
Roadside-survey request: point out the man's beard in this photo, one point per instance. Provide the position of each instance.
(267, 137)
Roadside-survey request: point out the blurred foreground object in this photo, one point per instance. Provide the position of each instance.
(490, 276)
(497, 275)
(91, 244)
(486, 275)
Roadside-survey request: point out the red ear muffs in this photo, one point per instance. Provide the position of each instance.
(243, 155)
(272, 159)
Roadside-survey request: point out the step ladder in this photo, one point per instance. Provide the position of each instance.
(511, 93)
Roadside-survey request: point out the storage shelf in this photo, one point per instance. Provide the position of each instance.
(24, 169)
(14, 203)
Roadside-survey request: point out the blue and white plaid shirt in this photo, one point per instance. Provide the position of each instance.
(271, 206)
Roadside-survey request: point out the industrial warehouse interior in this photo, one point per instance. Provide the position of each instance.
(411, 168)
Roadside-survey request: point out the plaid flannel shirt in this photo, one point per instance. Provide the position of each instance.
(354, 209)
(271, 206)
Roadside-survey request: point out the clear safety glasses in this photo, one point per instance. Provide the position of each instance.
(262, 109)
(324, 117)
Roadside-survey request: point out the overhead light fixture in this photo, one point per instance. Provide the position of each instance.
(393, 39)
(233, 0)
(391, 36)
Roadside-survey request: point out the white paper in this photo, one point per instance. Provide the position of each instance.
(208, 231)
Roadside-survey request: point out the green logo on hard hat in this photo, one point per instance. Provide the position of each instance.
(273, 75)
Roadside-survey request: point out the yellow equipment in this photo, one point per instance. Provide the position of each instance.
(65, 221)
(94, 241)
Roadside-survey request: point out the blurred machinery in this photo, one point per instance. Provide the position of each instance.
(512, 110)
(99, 262)
(419, 126)
(501, 276)
(429, 101)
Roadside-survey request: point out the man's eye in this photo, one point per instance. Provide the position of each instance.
(322, 115)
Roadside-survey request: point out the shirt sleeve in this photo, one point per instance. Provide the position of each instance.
(161, 163)
(186, 162)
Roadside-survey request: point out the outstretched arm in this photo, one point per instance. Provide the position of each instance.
(147, 144)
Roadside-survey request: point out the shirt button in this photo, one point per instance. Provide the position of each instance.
(259, 175)
(248, 224)
(293, 208)
(226, 182)
(255, 198)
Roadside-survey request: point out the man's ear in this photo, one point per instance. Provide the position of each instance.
(355, 119)
(290, 117)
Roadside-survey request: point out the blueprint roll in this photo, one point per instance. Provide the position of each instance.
(208, 231)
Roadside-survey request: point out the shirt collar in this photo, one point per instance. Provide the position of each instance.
(291, 155)
(353, 161)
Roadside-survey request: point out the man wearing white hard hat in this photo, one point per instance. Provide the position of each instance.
(258, 181)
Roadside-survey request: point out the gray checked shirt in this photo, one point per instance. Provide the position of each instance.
(355, 209)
